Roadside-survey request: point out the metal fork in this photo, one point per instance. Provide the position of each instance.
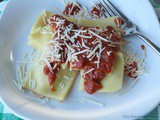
(129, 27)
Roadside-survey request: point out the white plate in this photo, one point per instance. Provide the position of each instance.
(15, 25)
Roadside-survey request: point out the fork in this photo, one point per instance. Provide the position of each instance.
(129, 27)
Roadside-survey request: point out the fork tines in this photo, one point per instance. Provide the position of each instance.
(111, 10)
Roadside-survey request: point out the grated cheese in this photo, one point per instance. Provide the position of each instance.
(48, 64)
(78, 43)
(83, 51)
(88, 71)
(98, 36)
(32, 83)
(81, 31)
(92, 57)
(44, 20)
(55, 65)
(93, 101)
(111, 45)
(61, 85)
(19, 83)
(109, 53)
(77, 4)
(82, 36)
(130, 57)
(68, 46)
(86, 13)
(45, 12)
(66, 77)
(118, 24)
(94, 50)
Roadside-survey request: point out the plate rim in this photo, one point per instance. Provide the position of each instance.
(22, 116)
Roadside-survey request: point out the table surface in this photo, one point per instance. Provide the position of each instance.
(6, 114)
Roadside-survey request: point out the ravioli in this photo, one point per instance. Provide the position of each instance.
(46, 14)
(65, 77)
(113, 81)
(39, 22)
(102, 23)
(37, 40)
(42, 86)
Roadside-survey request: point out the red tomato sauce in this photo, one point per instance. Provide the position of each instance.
(96, 11)
(118, 21)
(143, 47)
(102, 60)
(133, 68)
(72, 8)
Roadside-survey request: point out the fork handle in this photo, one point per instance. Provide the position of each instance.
(151, 44)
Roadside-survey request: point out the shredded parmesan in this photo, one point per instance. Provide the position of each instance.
(66, 77)
(38, 28)
(98, 36)
(130, 57)
(32, 83)
(84, 45)
(19, 76)
(44, 20)
(93, 52)
(118, 23)
(109, 52)
(83, 51)
(61, 85)
(44, 13)
(93, 101)
(88, 71)
(82, 36)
